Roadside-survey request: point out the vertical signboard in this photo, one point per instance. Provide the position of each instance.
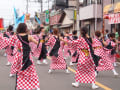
(1, 24)
(47, 16)
(75, 14)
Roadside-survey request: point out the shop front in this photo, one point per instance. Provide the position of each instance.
(67, 25)
(56, 19)
(112, 13)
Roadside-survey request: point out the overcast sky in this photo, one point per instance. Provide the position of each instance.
(6, 8)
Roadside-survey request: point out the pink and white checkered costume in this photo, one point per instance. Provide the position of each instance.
(112, 58)
(56, 62)
(66, 48)
(35, 51)
(27, 79)
(85, 72)
(73, 50)
(104, 63)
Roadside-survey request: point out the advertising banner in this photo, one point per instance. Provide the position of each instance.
(114, 18)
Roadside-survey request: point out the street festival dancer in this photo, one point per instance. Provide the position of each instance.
(57, 60)
(9, 49)
(104, 63)
(67, 52)
(85, 72)
(26, 76)
(74, 54)
(35, 51)
(110, 49)
(40, 53)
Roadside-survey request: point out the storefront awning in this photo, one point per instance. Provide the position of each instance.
(117, 8)
(106, 9)
(66, 26)
(112, 8)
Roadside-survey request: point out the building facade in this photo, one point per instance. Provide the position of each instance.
(91, 15)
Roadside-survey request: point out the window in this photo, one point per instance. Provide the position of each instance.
(98, 1)
(85, 3)
(115, 1)
(89, 2)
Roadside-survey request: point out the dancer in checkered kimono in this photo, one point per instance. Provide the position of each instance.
(74, 53)
(62, 42)
(3, 41)
(104, 63)
(85, 72)
(56, 53)
(26, 78)
(9, 49)
(40, 53)
(35, 51)
(111, 48)
(67, 52)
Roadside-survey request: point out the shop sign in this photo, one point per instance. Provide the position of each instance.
(1, 24)
(75, 14)
(114, 18)
(47, 16)
(55, 19)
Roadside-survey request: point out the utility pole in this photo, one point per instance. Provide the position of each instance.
(27, 7)
(77, 6)
(103, 20)
(96, 15)
(54, 4)
(48, 4)
(102, 13)
(41, 6)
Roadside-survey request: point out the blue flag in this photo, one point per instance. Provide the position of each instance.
(37, 19)
(18, 20)
(15, 13)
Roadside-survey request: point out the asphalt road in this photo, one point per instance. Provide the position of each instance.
(58, 80)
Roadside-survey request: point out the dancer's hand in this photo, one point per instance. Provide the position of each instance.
(61, 38)
(0, 36)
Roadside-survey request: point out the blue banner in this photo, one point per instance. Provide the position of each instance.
(37, 19)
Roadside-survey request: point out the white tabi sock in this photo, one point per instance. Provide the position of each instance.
(94, 86)
(114, 72)
(76, 84)
(114, 64)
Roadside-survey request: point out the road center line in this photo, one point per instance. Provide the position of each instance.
(97, 83)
